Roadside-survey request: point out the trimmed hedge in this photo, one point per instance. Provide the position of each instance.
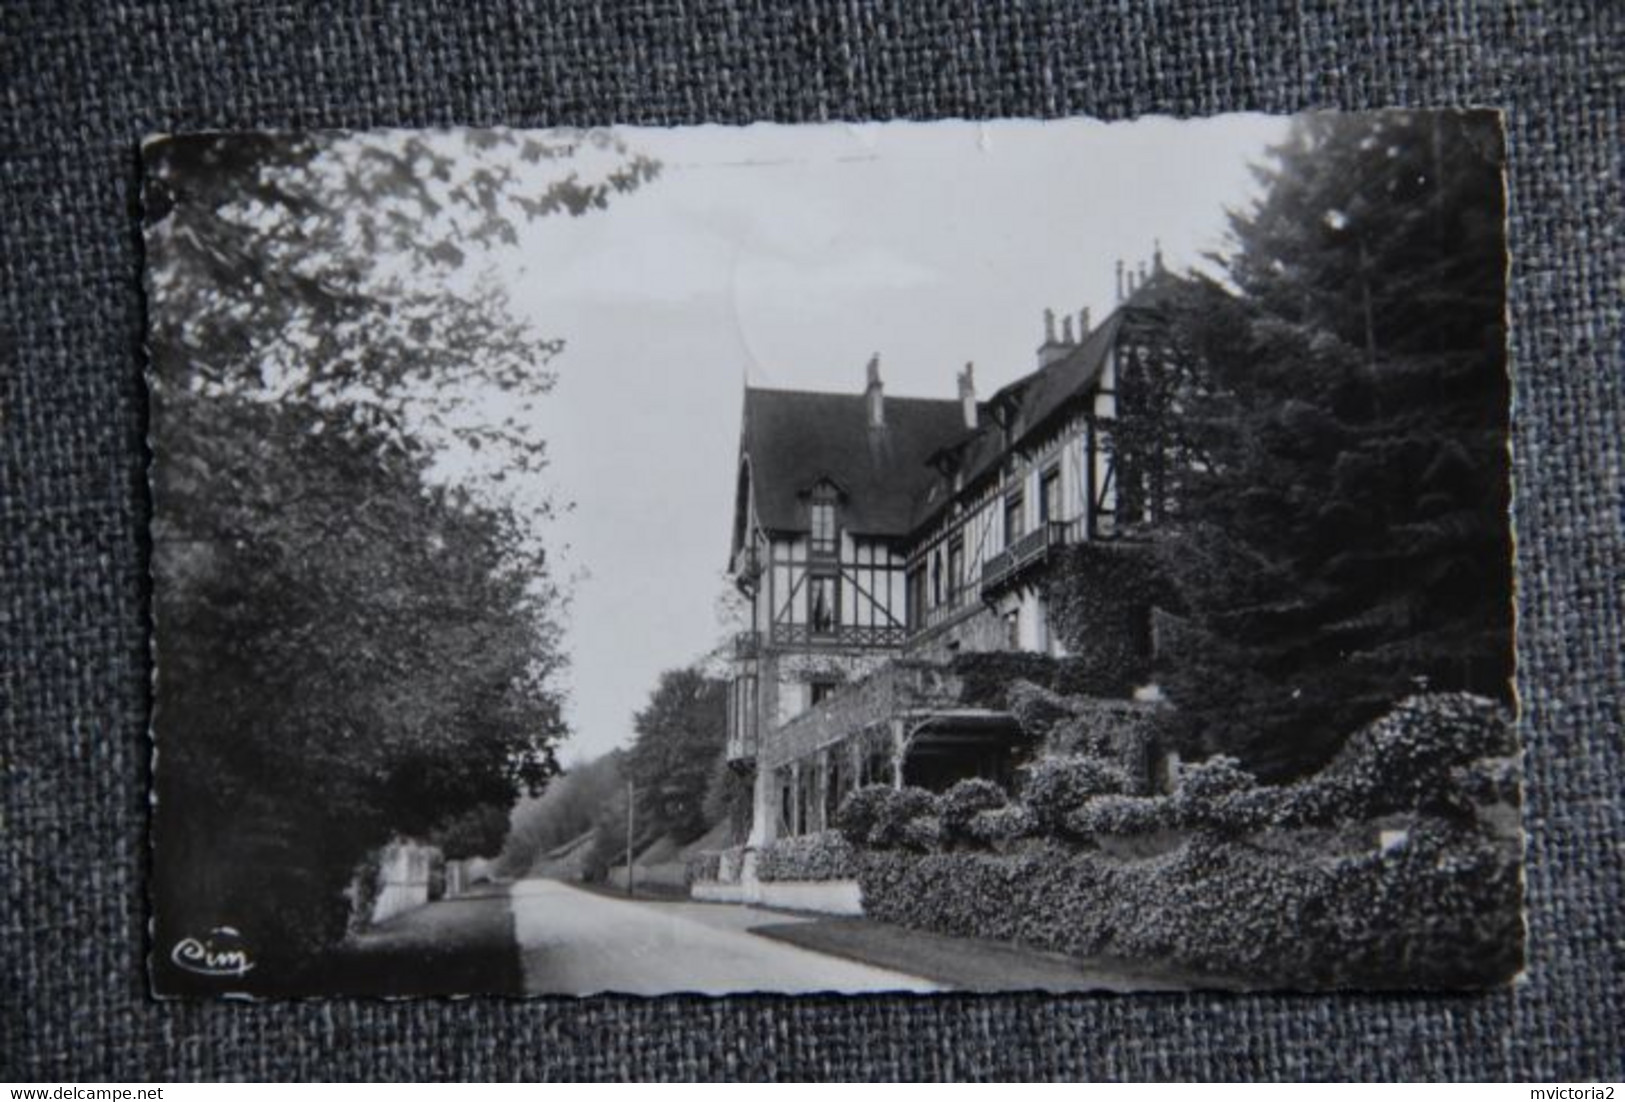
(1436, 752)
(998, 828)
(962, 803)
(878, 816)
(1055, 787)
(1225, 877)
(1127, 732)
(1442, 910)
(822, 856)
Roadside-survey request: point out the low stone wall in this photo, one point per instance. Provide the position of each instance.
(404, 870)
(667, 874)
(715, 891)
(736, 881)
(827, 897)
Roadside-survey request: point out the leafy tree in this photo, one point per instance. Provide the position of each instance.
(730, 797)
(348, 647)
(1344, 540)
(567, 809)
(345, 268)
(680, 735)
(344, 654)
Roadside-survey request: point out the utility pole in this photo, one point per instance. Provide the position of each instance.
(631, 795)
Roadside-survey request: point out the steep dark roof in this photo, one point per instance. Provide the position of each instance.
(1035, 398)
(794, 438)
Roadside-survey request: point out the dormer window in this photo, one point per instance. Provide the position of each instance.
(825, 532)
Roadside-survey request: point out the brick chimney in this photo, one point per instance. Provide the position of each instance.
(1083, 324)
(1054, 347)
(967, 395)
(874, 395)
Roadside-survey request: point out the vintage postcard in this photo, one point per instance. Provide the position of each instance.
(852, 558)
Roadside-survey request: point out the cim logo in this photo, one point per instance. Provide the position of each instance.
(220, 953)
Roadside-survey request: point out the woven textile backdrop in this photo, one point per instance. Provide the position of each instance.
(84, 81)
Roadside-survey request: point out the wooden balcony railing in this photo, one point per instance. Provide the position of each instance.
(861, 636)
(1031, 550)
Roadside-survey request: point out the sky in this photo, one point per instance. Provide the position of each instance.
(787, 257)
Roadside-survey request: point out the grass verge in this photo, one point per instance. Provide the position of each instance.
(969, 964)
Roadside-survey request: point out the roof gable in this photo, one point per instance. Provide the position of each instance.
(795, 439)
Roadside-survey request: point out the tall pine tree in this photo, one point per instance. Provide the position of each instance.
(1346, 540)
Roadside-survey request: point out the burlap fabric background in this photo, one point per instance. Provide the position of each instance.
(84, 81)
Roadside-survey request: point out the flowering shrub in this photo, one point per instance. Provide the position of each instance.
(1404, 761)
(1218, 794)
(876, 815)
(963, 802)
(1491, 781)
(1055, 787)
(860, 811)
(1001, 826)
(822, 856)
(1123, 816)
(1393, 867)
(1126, 732)
(1212, 779)
(923, 834)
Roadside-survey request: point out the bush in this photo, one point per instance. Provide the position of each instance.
(1055, 787)
(1129, 733)
(1441, 911)
(963, 802)
(1002, 826)
(826, 855)
(923, 834)
(1492, 781)
(876, 816)
(1405, 761)
(1123, 816)
(860, 811)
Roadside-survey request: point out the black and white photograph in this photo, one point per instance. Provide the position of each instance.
(1006, 556)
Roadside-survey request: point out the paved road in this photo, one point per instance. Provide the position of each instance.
(579, 942)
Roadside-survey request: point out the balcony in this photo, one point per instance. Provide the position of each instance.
(1029, 552)
(840, 636)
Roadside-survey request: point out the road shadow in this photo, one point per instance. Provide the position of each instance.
(462, 946)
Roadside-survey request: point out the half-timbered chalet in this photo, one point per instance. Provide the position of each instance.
(876, 537)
